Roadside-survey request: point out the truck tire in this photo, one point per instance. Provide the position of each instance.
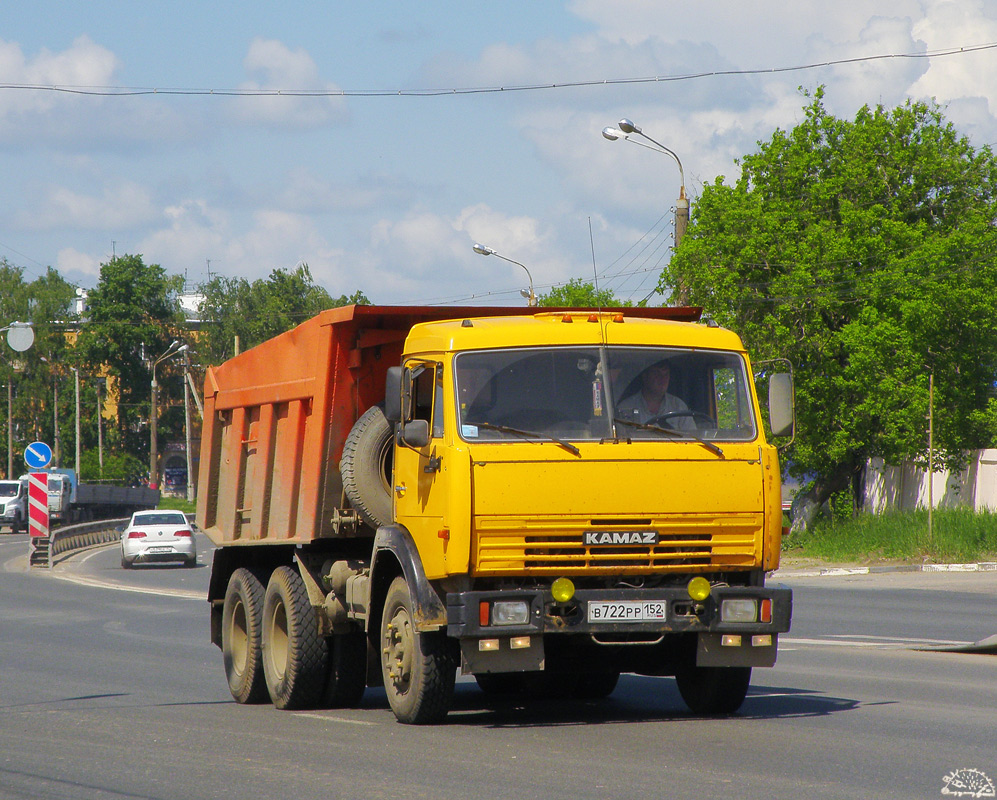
(242, 653)
(419, 668)
(595, 685)
(366, 467)
(713, 691)
(295, 655)
(347, 676)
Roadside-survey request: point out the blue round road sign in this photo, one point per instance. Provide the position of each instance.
(37, 455)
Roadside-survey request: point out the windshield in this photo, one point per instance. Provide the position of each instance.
(8, 489)
(560, 393)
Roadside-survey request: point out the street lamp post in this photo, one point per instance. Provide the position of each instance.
(20, 337)
(625, 131)
(76, 381)
(482, 250)
(174, 349)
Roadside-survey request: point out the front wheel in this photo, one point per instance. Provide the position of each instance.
(419, 668)
(713, 691)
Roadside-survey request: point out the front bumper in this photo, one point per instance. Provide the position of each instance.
(652, 646)
(682, 615)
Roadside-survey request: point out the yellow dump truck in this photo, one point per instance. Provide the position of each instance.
(541, 499)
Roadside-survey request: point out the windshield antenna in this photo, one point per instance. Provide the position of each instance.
(603, 352)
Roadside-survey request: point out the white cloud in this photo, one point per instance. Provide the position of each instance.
(84, 63)
(70, 260)
(121, 205)
(274, 66)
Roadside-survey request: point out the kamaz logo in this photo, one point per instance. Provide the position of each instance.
(621, 537)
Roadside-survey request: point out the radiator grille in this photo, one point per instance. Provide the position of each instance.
(505, 546)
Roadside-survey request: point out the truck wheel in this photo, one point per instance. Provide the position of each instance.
(713, 690)
(347, 676)
(507, 684)
(366, 467)
(419, 669)
(242, 619)
(595, 685)
(294, 654)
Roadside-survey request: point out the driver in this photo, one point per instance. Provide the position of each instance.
(653, 400)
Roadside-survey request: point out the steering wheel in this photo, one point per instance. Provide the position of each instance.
(697, 416)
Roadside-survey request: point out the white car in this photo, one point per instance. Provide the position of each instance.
(158, 536)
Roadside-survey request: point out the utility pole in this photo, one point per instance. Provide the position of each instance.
(186, 428)
(76, 374)
(56, 456)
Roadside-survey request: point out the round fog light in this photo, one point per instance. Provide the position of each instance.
(699, 589)
(563, 590)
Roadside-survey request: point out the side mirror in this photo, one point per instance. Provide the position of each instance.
(416, 433)
(781, 404)
(393, 395)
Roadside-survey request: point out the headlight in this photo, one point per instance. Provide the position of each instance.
(739, 610)
(510, 612)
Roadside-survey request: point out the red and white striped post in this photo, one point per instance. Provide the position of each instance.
(38, 524)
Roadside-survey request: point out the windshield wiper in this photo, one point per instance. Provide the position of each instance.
(531, 434)
(679, 434)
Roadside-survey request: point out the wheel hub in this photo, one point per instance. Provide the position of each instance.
(398, 643)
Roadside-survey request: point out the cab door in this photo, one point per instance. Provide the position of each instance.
(421, 484)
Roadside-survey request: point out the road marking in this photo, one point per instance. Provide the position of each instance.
(880, 642)
(326, 718)
(100, 583)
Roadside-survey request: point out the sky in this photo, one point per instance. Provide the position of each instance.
(352, 137)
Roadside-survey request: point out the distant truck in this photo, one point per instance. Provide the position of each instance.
(70, 501)
(14, 504)
(422, 489)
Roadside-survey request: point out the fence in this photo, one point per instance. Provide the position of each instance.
(906, 487)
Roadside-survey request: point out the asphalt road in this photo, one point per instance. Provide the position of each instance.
(110, 689)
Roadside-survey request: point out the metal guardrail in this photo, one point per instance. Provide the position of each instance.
(73, 537)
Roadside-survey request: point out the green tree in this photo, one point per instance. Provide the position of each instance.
(48, 374)
(260, 310)
(577, 293)
(133, 318)
(14, 307)
(864, 251)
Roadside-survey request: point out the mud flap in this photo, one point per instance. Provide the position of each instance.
(736, 650)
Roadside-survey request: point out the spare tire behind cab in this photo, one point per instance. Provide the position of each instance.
(366, 467)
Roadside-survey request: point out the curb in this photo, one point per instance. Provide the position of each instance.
(832, 572)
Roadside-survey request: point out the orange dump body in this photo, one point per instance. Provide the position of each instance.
(276, 418)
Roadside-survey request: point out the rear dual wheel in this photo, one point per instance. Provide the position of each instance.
(295, 656)
(242, 651)
(272, 648)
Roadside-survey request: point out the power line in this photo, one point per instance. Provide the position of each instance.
(132, 91)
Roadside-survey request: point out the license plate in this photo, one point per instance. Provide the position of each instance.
(160, 550)
(627, 611)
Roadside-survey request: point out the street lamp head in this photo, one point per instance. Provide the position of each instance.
(613, 134)
(481, 250)
(628, 127)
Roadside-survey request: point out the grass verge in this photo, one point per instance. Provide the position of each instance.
(956, 536)
(177, 504)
